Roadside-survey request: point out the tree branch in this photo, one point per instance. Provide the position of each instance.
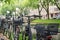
(43, 6)
(57, 5)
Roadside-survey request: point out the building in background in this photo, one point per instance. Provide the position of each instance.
(54, 12)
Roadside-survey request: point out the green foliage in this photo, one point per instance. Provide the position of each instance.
(47, 21)
(6, 1)
(12, 4)
(20, 36)
(11, 36)
(7, 7)
(24, 3)
(34, 3)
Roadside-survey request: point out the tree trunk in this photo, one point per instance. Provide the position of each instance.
(48, 13)
(57, 6)
(39, 12)
(47, 8)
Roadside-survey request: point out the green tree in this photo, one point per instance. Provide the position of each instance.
(35, 4)
(7, 7)
(57, 3)
(46, 3)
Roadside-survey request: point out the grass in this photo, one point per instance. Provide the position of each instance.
(20, 36)
(46, 21)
